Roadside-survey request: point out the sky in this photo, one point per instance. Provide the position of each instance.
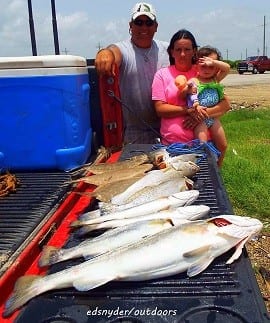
(236, 28)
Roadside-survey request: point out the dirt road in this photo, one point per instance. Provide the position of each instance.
(248, 89)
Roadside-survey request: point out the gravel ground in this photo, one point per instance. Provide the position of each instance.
(256, 95)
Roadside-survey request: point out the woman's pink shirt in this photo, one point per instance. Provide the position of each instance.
(164, 89)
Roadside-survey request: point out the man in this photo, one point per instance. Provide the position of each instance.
(137, 58)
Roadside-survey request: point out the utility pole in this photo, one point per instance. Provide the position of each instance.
(264, 36)
(32, 29)
(55, 32)
(99, 46)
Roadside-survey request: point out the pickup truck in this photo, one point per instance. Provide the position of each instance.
(254, 64)
(39, 214)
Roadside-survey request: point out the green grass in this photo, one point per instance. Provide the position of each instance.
(246, 168)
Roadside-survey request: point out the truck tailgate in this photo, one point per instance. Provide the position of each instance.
(222, 293)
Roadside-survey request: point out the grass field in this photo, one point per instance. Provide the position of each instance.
(246, 168)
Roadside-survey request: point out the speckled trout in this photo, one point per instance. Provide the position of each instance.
(105, 242)
(188, 247)
(155, 183)
(176, 215)
(163, 203)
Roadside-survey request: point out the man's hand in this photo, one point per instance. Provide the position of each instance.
(105, 62)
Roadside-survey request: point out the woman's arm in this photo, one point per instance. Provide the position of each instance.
(166, 110)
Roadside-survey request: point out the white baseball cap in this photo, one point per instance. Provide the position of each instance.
(143, 9)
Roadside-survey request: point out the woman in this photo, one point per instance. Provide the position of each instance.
(177, 122)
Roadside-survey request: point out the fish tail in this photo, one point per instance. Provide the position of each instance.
(77, 223)
(25, 289)
(72, 181)
(84, 230)
(67, 183)
(50, 255)
(89, 215)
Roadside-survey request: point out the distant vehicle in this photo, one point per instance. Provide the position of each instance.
(254, 64)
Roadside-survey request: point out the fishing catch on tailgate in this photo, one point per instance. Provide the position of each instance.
(188, 247)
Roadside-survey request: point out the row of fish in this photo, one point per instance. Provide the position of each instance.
(114, 178)
(153, 216)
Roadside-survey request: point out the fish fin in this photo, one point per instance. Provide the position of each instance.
(197, 252)
(84, 285)
(199, 266)
(238, 251)
(49, 256)
(158, 222)
(88, 257)
(23, 291)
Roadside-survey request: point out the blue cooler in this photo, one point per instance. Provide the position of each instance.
(45, 112)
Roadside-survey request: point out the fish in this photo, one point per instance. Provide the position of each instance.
(114, 175)
(152, 179)
(162, 159)
(105, 192)
(164, 203)
(119, 165)
(149, 194)
(105, 242)
(193, 157)
(159, 158)
(153, 185)
(187, 168)
(177, 216)
(103, 154)
(189, 247)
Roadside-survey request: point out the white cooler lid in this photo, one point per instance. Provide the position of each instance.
(44, 61)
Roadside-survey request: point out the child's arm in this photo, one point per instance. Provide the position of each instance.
(223, 68)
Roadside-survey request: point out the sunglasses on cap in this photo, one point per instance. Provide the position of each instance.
(140, 22)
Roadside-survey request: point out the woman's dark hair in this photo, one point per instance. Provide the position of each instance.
(181, 34)
(208, 50)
